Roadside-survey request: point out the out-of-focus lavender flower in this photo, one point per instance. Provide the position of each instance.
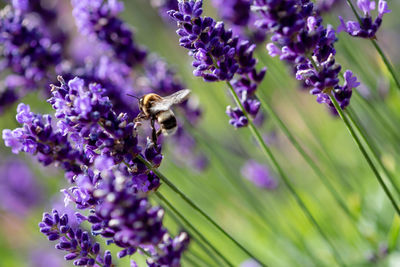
(45, 257)
(379, 255)
(259, 175)
(99, 18)
(77, 243)
(164, 6)
(169, 251)
(325, 6)
(218, 55)
(238, 15)
(366, 27)
(250, 263)
(19, 189)
(299, 38)
(27, 54)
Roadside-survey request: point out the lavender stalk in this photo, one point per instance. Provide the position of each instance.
(366, 156)
(385, 59)
(372, 147)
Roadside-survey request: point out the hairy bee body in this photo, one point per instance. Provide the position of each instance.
(147, 101)
(158, 109)
(167, 122)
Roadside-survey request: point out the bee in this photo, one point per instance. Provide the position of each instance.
(157, 108)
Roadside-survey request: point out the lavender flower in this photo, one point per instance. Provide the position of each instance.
(365, 28)
(37, 137)
(238, 14)
(98, 18)
(27, 52)
(87, 115)
(259, 175)
(169, 252)
(114, 194)
(218, 55)
(300, 39)
(113, 74)
(109, 73)
(76, 242)
(19, 190)
(127, 217)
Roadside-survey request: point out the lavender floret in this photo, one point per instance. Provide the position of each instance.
(99, 18)
(27, 52)
(218, 55)
(239, 16)
(79, 245)
(299, 38)
(366, 27)
(169, 251)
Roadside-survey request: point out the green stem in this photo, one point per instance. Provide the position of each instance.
(196, 207)
(372, 146)
(190, 259)
(192, 228)
(144, 251)
(364, 152)
(378, 49)
(285, 179)
(378, 117)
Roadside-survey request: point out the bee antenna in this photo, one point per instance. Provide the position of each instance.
(133, 96)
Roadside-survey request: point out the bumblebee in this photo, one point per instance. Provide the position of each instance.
(157, 108)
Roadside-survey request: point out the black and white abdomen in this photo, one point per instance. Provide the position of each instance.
(167, 122)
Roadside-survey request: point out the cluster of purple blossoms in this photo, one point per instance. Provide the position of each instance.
(219, 56)
(238, 14)
(98, 149)
(98, 18)
(76, 242)
(127, 218)
(169, 251)
(27, 55)
(299, 38)
(38, 137)
(366, 27)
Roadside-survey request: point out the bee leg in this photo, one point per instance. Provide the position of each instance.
(139, 117)
(159, 132)
(154, 134)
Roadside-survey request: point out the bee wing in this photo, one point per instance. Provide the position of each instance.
(167, 102)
